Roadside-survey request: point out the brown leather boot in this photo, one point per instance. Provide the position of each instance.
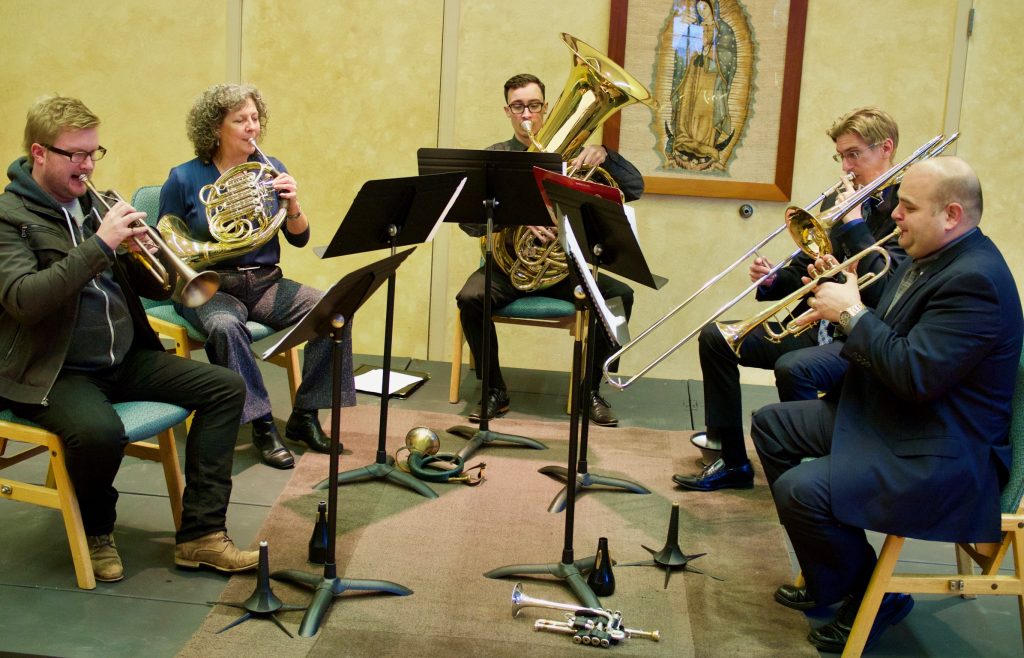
(216, 551)
(106, 563)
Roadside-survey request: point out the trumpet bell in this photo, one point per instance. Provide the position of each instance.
(199, 289)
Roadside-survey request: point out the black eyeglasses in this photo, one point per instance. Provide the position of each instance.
(78, 157)
(534, 106)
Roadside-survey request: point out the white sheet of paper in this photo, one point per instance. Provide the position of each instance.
(372, 381)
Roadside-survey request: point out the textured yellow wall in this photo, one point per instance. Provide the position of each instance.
(993, 96)
(354, 90)
(138, 65)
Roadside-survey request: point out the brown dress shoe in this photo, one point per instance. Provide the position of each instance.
(106, 563)
(216, 551)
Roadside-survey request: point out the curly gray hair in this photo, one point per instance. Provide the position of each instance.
(208, 113)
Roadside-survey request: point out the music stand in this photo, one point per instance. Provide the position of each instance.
(392, 213)
(599, 225)
(327, 318)
(500, 191)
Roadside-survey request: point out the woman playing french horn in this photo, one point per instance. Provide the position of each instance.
(224, 125)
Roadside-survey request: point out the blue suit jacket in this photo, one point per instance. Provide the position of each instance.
(920, 445)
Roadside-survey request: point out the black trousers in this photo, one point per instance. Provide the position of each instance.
(836, 559)
(79, 411)
(471, 307)
(802, 368)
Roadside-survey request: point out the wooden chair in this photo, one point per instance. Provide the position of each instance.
(536, 311)
(989, 557)
(168, 323)
(142, 420)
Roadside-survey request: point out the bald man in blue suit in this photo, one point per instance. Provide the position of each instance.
(917, 442)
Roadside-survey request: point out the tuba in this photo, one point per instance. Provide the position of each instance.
(239, 212)
(596, 89)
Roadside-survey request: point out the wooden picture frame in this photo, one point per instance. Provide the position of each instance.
(775, 187)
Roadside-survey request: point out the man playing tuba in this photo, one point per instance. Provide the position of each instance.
(524, 102)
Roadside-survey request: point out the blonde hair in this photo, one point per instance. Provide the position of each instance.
(871, 124)
(51, 115)
(208, 113)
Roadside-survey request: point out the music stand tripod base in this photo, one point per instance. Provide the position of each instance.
(325, 590)
(585, 481)
(479, 438)
(378, 471)
(570, 573)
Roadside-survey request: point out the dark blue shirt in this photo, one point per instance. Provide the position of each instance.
(179, 196)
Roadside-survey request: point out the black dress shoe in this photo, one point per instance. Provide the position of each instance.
(601, 411)
(497, 405)
(272, 451)
(718, 476)
(795, 597)
(304, 425)
(832, 637)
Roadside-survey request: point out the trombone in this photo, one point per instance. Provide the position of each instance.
(197, 288)
(810, 233)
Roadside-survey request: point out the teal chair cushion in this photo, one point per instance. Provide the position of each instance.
(142, 420)
(1013, 492)
(537, 308)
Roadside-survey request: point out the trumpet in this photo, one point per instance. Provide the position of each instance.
(197, 287)
(736, 332)
(592, 626)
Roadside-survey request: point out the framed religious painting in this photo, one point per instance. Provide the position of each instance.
(726, 76)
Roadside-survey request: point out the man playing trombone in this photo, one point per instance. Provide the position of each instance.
(916, 443)
(865, 141)
(77, 340)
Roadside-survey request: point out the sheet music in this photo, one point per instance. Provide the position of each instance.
(372, 381)
(451, 202)
(614, 324)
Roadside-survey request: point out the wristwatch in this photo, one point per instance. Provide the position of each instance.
(847, 315)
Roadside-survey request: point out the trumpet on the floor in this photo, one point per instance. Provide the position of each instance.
(591, 626)
(736, 332)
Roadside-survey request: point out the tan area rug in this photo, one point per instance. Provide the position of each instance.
(440, 549)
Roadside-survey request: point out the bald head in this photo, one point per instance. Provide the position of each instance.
(954, 181)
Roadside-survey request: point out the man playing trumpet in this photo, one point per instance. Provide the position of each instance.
(916, 442)
(77, 340)
(865, 141)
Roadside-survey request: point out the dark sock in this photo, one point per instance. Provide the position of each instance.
(734, 452)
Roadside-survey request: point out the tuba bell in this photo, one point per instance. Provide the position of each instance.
(239, 212)
(596, 89)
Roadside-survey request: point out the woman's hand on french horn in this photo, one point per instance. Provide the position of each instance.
(544, 233)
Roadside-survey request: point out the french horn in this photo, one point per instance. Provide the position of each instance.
(240, 214)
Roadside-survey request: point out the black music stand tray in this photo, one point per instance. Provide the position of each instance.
(588, 225)
(500, 191)
(387, 214)
(327, 318)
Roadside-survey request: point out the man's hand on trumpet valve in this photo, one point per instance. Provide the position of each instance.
(121, 224)
(830, 298)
